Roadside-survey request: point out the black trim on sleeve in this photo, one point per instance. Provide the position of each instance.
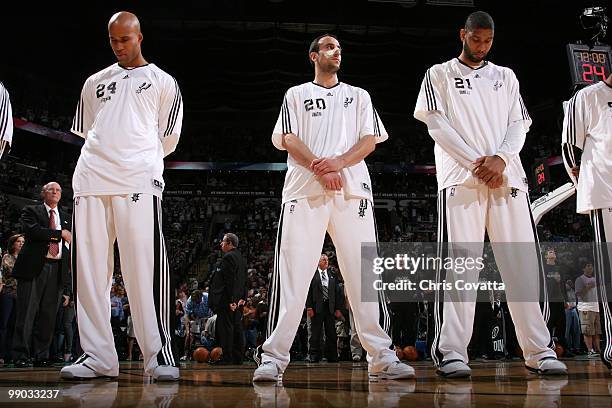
(376, 123)
(429, 92)
(571, 121)
(569, 154)
(176, 105)
(286, 117)
(524, 109)
(4, 116)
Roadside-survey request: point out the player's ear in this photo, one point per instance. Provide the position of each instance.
(140, 37)
(462, 34)
(313, 56)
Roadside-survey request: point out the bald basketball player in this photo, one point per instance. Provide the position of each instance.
(130, 116)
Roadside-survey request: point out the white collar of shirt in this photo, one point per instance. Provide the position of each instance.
(58, 225)
(321, 275)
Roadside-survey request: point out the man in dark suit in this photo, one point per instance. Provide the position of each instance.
(323, 306)
(227, 298)
(43, 276)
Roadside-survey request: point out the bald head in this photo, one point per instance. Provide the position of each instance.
(125, 19)
(51, 193)
(125, 38)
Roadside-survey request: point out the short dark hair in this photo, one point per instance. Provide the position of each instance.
(314, 45)
(196, 295)
(479, 19)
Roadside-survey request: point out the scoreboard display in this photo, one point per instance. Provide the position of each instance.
(541, 175)
(588, 65)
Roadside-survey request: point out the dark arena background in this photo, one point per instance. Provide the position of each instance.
(234, 60)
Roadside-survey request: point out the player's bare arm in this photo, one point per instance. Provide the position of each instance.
(354, 155)
(298, 150)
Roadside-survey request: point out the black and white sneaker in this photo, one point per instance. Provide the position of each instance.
(394, 371)
(267, 371)
(548, 366)
(80, 371)
(454, 369)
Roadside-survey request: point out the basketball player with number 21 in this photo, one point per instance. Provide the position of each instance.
(475, 114)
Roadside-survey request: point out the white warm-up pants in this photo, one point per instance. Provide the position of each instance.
(601, 220)
(301, 233)
(465, 212)
(134, 220)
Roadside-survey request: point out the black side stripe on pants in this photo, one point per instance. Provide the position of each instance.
(385, 317)
(442, 253)
(544, 305)
(73, 269)
(73, 257)
(274, 289)
(161, 288)
(168, 291)
(602, 277)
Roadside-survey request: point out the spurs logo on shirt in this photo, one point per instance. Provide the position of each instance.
(131, 119)
(328, 121)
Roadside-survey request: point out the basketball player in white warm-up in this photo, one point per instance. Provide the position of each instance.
(328, 128)
(588, 127)
(130, 115)
(475, 114)
(6, 121)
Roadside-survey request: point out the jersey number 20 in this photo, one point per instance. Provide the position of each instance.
(308, 104)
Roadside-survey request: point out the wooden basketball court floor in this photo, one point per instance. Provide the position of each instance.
(493, 384)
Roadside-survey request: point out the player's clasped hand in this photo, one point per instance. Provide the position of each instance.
(326, 165)
(490, 169)
(331, 181)
(327, 170)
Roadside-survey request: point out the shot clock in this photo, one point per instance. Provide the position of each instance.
(588, 65)
(541, 175)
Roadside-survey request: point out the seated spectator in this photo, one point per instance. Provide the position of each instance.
(197, 312)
